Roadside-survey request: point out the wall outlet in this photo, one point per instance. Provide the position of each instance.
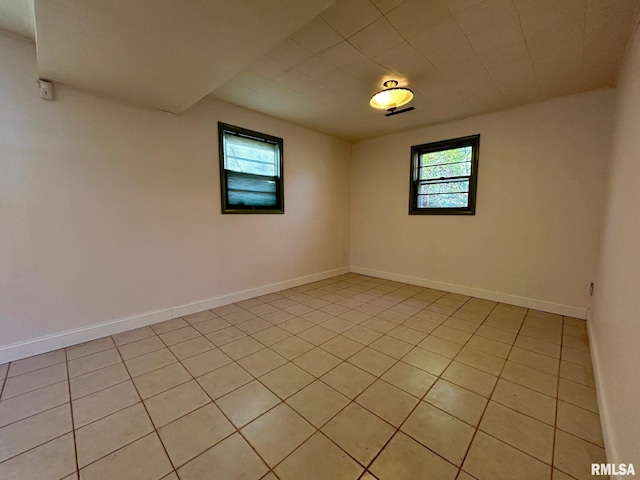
(46, 89)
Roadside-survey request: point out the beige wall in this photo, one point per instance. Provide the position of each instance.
(615, 320)
(533, 240)
(109, 210)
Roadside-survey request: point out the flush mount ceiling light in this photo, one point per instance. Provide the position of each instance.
(391, 98)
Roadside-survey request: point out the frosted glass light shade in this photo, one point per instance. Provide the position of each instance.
(391, 97)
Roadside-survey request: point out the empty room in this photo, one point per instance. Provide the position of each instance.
(319, 239)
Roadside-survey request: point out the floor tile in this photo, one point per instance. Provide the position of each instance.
(169, 325)
(409, 379)
(362, 334)
(271, 335)
(318, 403)
(140, 347)
(206, 362)
(480, 360)
(348, 380)
(247, 402)
(149, 362)
(491, 459)
(295, 325)
(211, 325)
(28, 382)
(191, 348)
(538, 346)
(54, 459)
(457, 401)
(105, 402)
(125, 463)
(388, 402)
(518, 430)
(108, 434)
(178, 336)
(391, 346)
(576, 356)
(372, 361)
(93, 362)
(291, 347)
(317, 362)
(577, 373)
(534, 360)
(342, 347)
(470, 378)
(451, 334)
(440, 432)
(33, 431)
(575, 456)
(98, 380)
(405, 459)
(199, 317)
(261, 362)
(133, 335)
(172, 404)
(578, 394)
(254, 325)
(231, 459)
(224, 380)
(428, 361)
(489, 346)
(580, 423)
(286, 380)
(440, 346)
(89, 348)
(530, 378)
(226, 335)
(160, 380)
(37, 362)
(37, 401)
(318, 459)
(525, 400)
(277, 433)
(194, 433)
(359, 433)
(496, 334)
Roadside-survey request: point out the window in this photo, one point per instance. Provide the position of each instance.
(250, 171)
(444, 177)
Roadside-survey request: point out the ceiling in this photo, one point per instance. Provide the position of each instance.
(324, 59)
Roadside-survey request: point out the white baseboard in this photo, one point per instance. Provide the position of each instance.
(36, 346)
(560, 309)
(607, 434)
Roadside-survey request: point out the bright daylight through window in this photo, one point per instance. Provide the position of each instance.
(444, 177)
(250, 171)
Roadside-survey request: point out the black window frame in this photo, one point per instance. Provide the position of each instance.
(252, 134)
(472, 141)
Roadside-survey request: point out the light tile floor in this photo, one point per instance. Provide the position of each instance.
(352, 377)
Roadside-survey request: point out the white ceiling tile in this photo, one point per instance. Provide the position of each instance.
(250, 79)
(315, 67)
(494, 38)
(490, 14)
(343, 83)
(370, 73)
(407, 62)
(350, 16)
(537, 16)
(565, 40)
(375, 39)
(342, 54)
(504, 53)
(317, 35)
(385, 6)
(289, 53)
(317, 90)
(415, 16)
(267, 67)
(292, 79)
(516, 81)
(593, 5)
(457, 5)
(439, 36)
(453, 53)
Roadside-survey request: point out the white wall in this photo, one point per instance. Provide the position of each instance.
(534, 238)
(615, 320)
(108, 210)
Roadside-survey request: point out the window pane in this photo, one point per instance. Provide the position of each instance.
(446, 171)
(460, 186)
(246, 155)
(455, 155)
(251, 190)
(453, 200)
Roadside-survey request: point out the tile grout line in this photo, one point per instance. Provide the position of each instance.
(73, 425)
